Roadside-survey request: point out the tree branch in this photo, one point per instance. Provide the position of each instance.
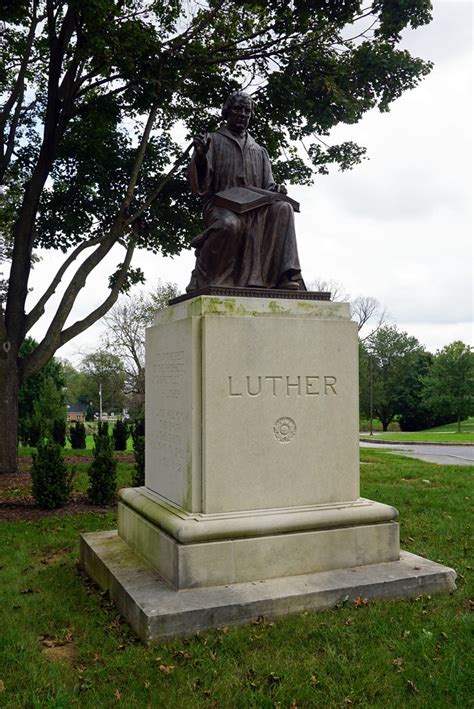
(38, 310)
(139, 157)
(81, 325)
(154, 194)
(52, 339)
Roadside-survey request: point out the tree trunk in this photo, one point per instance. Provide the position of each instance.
(8, 410)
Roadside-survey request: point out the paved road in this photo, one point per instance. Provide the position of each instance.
(443, 455)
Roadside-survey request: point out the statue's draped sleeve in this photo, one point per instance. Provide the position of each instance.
(200, 175)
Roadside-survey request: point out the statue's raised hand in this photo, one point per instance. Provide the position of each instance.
(201, 144)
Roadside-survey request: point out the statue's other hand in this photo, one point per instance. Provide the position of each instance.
(201, 144)
(282, 189)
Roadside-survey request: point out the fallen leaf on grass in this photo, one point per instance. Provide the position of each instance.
(118, 695)
(361, 601)
(273, 678)
(166, 669)
(398, 663)
(412, 686)
(26, 590)
(2, 685)
(147, 684)
(181, 655)
(313, 680)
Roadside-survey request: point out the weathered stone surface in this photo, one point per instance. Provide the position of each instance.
(252, 404)
(191, 551)
(156, 611)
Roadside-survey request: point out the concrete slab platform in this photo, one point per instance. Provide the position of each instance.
(157, 612)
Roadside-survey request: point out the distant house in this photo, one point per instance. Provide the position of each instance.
(76, 412)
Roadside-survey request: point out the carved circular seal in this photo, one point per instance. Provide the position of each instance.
(284, 429)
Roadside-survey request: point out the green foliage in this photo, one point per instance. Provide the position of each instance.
(120, 435)
(77, 436)
(58, 432)
(396, 363)
(103, 428)
(138, 437)
(102, 472)
(103, 370)
(34, 389)
(51, 482)
(449, 386)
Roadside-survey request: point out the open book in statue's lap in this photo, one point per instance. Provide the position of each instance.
(245, 243)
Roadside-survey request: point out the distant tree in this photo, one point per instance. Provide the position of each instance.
(365, 310)
(449, 386)
(48, 409)
(30, 391)
(102, 369)
(125, 335)
(330, 285)
(369, 315)
(397, 362)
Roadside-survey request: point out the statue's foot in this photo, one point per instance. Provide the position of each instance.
(192, 285)
(288, 284)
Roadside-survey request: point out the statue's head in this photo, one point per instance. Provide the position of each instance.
(237, 111)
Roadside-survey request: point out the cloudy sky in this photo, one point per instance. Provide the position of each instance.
(399, 226)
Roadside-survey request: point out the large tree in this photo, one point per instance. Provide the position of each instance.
(396, 361)
(93, 92)
(449, 386)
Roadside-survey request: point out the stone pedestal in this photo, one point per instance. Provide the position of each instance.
(252, 468)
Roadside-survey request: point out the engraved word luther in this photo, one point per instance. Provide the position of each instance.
(284, 385)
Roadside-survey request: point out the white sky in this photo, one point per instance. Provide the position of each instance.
(398, 227)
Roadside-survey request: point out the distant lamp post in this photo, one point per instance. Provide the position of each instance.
(100, 402)
(371, 392)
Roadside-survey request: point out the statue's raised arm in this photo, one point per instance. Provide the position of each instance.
(249, 234)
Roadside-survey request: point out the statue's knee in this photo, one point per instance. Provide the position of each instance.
(283, 209)
(230, 225)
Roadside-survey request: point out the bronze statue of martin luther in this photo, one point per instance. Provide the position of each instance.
(246, 242)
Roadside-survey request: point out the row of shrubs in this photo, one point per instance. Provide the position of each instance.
(120, 434)
(77, 434)
(52, 482)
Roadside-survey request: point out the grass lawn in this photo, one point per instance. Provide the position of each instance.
(442, 434)
(62, 644)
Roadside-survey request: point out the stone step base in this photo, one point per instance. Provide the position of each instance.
(156, 611)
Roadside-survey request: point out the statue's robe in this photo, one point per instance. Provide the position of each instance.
(254, 249)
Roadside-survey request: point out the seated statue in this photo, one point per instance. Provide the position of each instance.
(253, 249)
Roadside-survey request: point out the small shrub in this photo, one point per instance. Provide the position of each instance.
(103, 428)
(77, 435)
(102, 472)
(34, 432)
(120, 435)
(138, 437)
(51, 483)
(59, 432)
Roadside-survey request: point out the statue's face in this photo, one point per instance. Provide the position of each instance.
(239, 115)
